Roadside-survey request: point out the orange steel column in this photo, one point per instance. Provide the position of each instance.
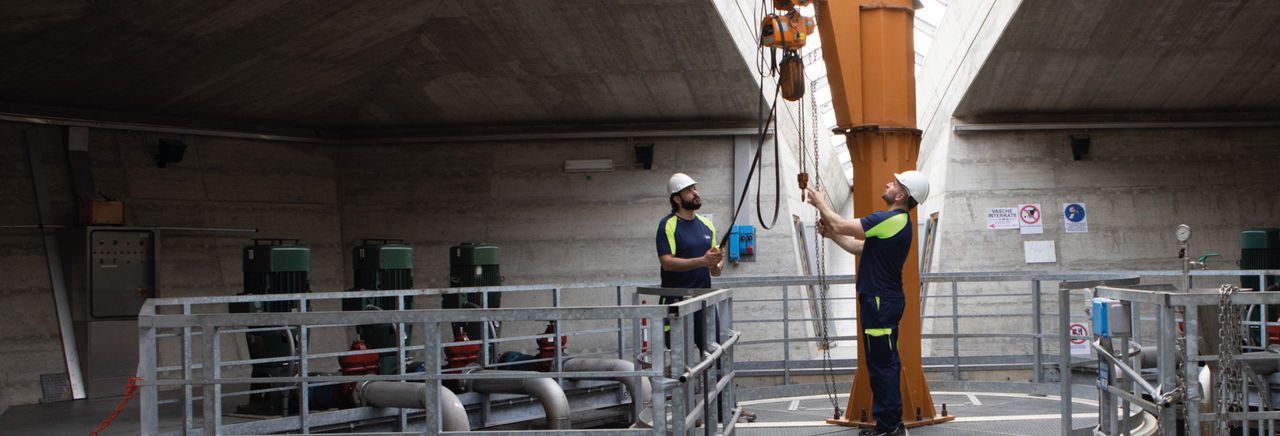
(870, 61)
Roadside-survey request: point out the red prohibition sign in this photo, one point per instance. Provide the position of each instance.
(1029, 214)
(1078, 330)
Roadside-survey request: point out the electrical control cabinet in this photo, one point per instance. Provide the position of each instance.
(121, 272)
(111, 272)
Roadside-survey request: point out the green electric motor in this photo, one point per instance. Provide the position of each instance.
(272, 266)
(381, 265)
(1259, 249)
(472, 265)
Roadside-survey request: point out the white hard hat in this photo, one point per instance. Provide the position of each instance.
(678, 182)
(916, 182)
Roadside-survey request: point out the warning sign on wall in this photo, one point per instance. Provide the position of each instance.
(1079, 347)
(1074, 218)
(1030, 219)
(1002, 218)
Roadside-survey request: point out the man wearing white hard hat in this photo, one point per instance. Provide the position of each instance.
(686, 245)
(882, 240)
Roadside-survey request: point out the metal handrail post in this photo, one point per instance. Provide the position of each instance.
(304, 397)
(1262, 327)
(1064, 357)
(955, 330)
(1167, 362)
(187, 412)
(212, 390)
(657, 359)
(724, 321)
(710, 376)
(679, 398)
(622, 340)
(485, 358)
(402, 423)
(1124, 367)
(1191, 315)
(1035, 328)
(431, 359)
(148, 393)
(557, 365)
(786, 335)
(637, 338)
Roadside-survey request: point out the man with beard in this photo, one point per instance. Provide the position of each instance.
(687, 247)
(882, 241)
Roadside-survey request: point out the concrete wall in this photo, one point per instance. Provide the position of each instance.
(28, 327)
(284, 190)
(1137, 186)
(552, 227)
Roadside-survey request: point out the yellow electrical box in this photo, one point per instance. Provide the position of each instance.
(104, 213)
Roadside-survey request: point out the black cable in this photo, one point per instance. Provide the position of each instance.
(777, 172)
(762, 133)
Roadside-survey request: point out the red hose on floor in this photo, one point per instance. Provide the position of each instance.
(129, 390)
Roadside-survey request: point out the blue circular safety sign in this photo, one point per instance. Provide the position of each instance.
(1074, 212)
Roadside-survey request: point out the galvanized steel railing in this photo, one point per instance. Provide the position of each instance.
(182, 319)
(204, 330)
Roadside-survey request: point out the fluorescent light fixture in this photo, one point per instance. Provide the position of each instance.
(588, 166)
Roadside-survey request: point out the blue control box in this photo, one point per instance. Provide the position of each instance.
(742, 244)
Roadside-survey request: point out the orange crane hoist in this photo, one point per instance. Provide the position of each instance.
(788, 31)
(870, 59)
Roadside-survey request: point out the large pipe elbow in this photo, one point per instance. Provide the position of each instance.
(453, 413)
(413, 396)
(641, 392)
(547, 391)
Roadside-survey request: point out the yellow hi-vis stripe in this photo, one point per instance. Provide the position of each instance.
(878, 332)
(671, 233)
(887, 228)
(707, 223)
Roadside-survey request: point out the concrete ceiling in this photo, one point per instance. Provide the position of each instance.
(1132, 57)
(358, 65)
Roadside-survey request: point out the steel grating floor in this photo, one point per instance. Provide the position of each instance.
(977, 413)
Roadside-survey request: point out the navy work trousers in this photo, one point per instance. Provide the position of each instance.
(880, 316)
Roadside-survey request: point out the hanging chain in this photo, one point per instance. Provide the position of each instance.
(1230, 373)
(820, 251)
(813, 117)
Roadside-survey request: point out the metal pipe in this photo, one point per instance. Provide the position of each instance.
(546, 390)
(707, 360)
(1104, 353)
(57, 279)
(399, 136)
(962, 128)
(414, 396)
(639, 388)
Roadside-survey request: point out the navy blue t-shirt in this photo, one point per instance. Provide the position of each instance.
(887, 245)
(686, 240)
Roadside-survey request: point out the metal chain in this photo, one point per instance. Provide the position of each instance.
(1230, 373)
(813, 117)
(800, 136)
(820, 255)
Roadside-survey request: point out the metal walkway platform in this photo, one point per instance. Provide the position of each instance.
(977, 413)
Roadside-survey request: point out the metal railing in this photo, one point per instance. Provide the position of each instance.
(204, 332)
(183, 321)
(1173, 397)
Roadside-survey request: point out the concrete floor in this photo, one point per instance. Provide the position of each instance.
(977, 413)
